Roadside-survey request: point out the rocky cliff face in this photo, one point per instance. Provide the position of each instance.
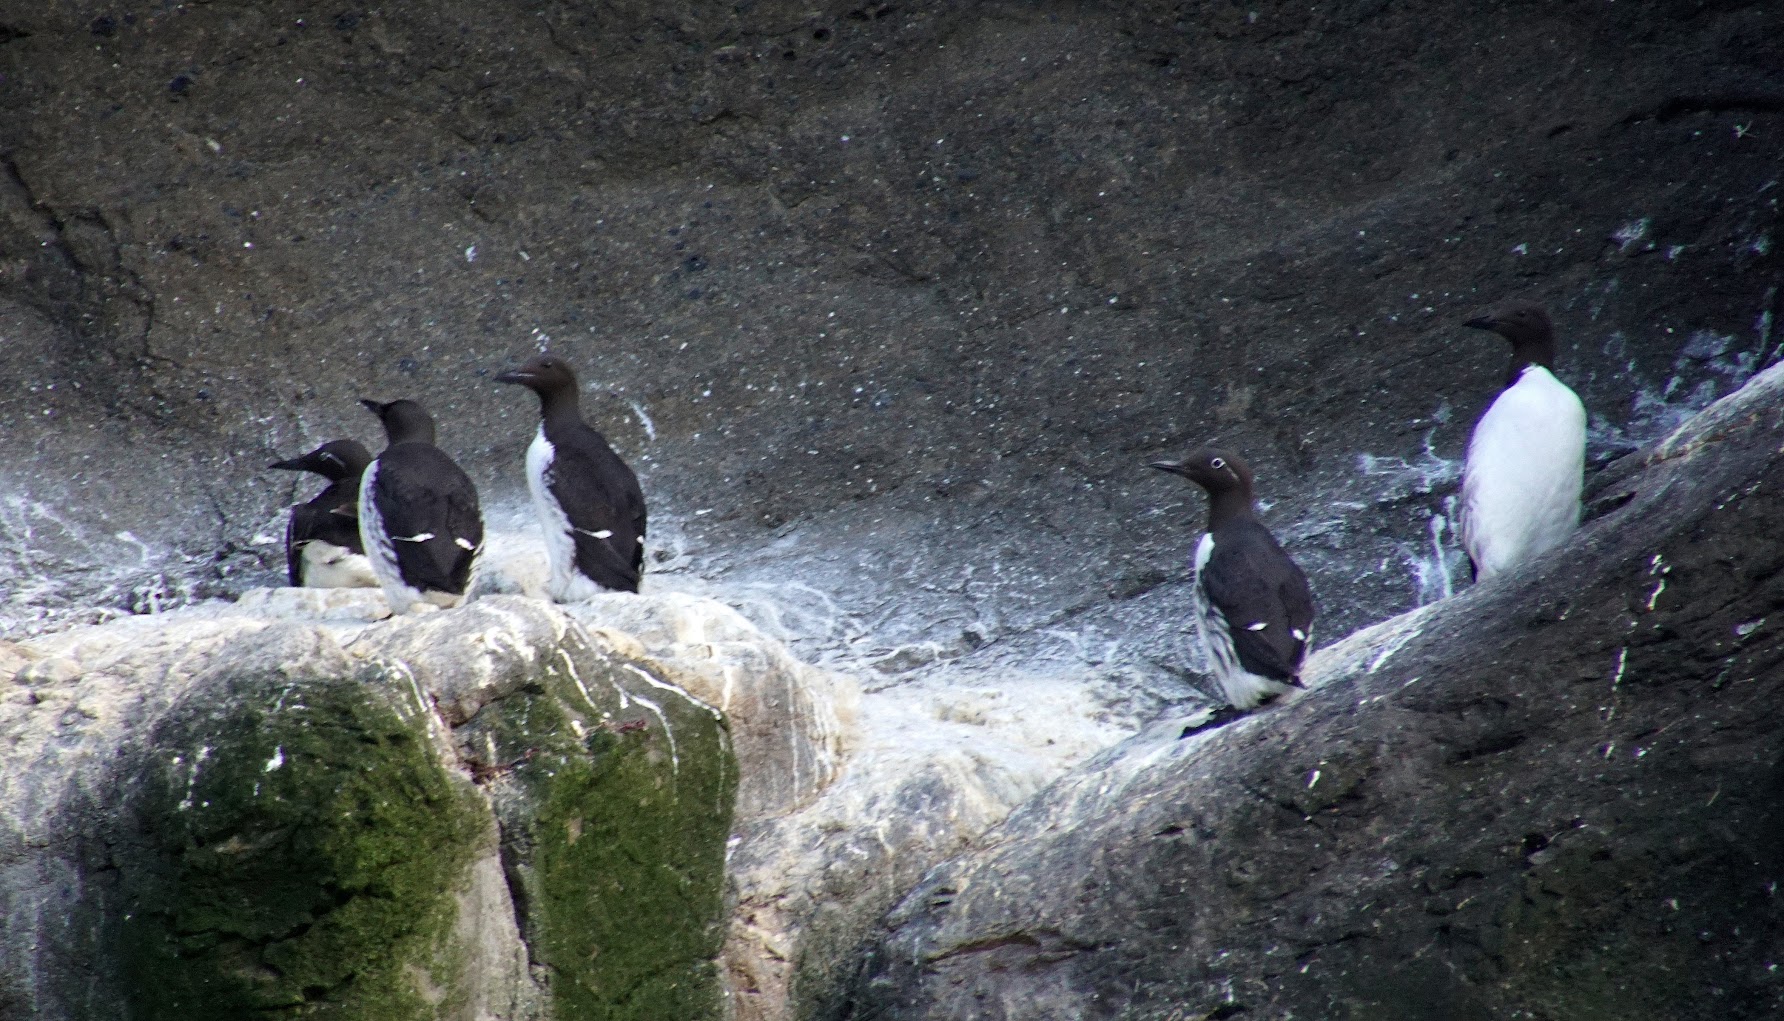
(1554, 796)
(891, 299)
(889, 304)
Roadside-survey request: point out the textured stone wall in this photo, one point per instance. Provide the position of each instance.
(1554, 796)
(914, 286)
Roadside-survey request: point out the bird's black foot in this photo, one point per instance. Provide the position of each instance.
(1218, 718)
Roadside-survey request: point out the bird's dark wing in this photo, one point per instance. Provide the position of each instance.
(1253, 582)
(605, 506)
(331, 517)
(1297, 599)
(336, 517)
(462, 542)
(419, 491)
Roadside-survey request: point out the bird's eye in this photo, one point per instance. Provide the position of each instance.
(1218, 463)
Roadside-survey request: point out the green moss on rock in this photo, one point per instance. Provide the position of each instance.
(614, 825)
(301, 848)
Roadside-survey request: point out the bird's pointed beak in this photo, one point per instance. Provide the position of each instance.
(515, 376)
(1174, 467)
(1481, 323)
(295, 464)
(372, 406)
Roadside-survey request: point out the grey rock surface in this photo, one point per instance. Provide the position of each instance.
(1553, 796)
(894, 300)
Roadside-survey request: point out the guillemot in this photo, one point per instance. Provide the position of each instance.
(1526, 459)
(418, 514)
(322, 544)
(587, 498)
(1254, 609)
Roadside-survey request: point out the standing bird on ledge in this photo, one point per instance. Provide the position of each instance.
(418, 514)
(322, 544)
(588, 500)
(1526, 460)
(1254, 610)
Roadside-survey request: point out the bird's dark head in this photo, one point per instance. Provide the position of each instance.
(1214, 470)
(1226, 477)
(404, 421)
(545, 374)
(1524, 323)
(335, 460)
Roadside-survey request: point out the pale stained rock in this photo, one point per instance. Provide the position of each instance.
(467, 660)
(496, 975)
(331, 605)
(13, 658)
(791, 722)
(48, 671)
(934, 767)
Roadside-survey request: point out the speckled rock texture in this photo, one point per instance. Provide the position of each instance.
(892, 299)
(289, 808)
(1555, 796)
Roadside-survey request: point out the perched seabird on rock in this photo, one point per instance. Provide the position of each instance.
(418, 514)
(322, 544)
(1521, 483)
(1254, 610)
(588, 500)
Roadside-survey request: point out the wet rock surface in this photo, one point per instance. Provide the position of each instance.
(894, 300)
(1555, 796)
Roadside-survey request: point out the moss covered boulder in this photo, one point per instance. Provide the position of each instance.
(294, 845)
(476, 814)
(614, 790)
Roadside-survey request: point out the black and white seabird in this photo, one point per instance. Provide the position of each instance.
(1254, 610)
(1526, 460)
(588, 500)
(322, 544)
(418, 514)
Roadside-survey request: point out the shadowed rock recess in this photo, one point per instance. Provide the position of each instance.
(1552, 797)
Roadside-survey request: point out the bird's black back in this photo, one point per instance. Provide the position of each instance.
(598, 493)
(1250, 579)
(331, 517)
(418, 489)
